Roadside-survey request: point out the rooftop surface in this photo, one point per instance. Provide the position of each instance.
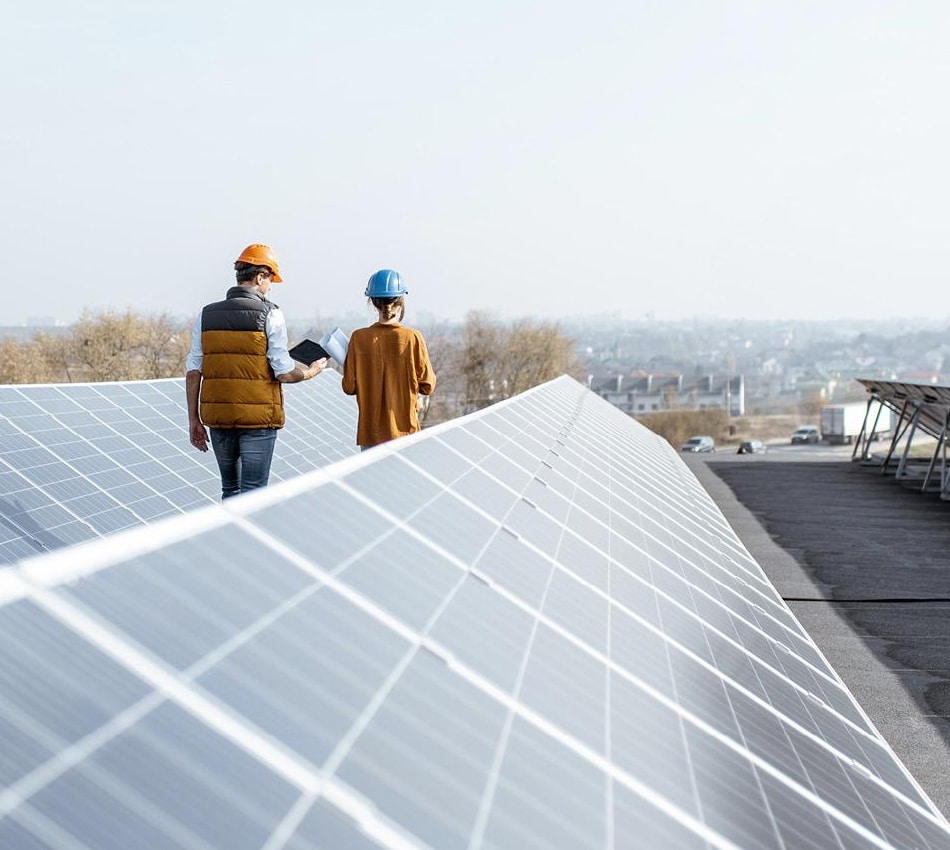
(864, 564)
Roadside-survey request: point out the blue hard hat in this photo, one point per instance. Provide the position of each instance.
(385, 284)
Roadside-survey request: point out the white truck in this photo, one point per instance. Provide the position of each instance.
(841, 423)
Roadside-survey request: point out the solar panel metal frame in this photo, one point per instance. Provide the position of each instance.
(527, 627)
(918, 406)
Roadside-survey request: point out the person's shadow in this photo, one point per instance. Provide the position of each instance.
(13, 515)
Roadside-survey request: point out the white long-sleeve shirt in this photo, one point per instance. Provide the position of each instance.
(277, 354)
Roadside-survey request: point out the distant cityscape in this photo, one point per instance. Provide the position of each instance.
(743, 366)
(754, 367)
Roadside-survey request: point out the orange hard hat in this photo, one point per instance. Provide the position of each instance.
(261, 255)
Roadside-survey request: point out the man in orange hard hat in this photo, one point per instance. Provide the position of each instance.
(234, 371)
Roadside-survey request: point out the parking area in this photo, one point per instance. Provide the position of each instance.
(776, 451)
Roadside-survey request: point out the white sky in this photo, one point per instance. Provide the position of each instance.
(757, 158)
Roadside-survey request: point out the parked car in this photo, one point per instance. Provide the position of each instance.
(701, 443)
(806, 434)
(752, 447)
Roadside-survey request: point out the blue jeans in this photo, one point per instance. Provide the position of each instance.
(244, 456)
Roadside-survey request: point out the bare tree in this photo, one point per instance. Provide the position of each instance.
(106, 347)
(41, 360)
(53, 352)
(495, 361)
(442, 342)
(164, 346)
(103, 347)
(20, 363)
(535, 353)
(676, 426)
(479, 355)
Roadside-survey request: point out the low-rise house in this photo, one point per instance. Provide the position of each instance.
(646, 393)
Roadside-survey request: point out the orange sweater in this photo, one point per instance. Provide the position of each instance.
(386, 368)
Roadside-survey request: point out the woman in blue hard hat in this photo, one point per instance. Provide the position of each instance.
(387, 366)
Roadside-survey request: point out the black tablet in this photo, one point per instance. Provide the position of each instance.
(307, 351)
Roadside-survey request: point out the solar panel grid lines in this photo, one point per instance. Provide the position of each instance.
(489, 688)
(18, 794)
(81, 461)
(27, 517)
(142, 541)
(516, 710)
(514, 707)
(690, 539)
(717, 845)
(803, 692)
(666, 496)
(93, 452)
(803, 730)
(414, 640)
(771, 599)
(379, 613)
(63, 467)
(660, 494)
(170, 686)
(64, 566)
(614, 667)
(799, 627)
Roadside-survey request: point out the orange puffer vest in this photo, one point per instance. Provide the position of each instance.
(238, 387)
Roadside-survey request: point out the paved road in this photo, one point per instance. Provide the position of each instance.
(865, 564)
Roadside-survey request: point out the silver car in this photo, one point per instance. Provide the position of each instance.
(806, 434)
(701, 443)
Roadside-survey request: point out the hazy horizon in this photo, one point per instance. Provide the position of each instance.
(359, 317)
(730, 159)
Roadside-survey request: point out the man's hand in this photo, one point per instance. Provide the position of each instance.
(196, 431)
(199, 435)
(318, 366)
(304, 373)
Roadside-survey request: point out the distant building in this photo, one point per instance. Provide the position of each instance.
(25, 333)
(647, 393)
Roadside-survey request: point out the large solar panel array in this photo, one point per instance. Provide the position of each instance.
(919, 407)
(79, 461)
(931, 402)
(528, 628)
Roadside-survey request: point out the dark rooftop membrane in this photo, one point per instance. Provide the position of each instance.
(864, 564)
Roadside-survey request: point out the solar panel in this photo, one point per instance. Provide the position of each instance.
(930, 402)
(79, 461)
(530, 627)
(919, 407)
